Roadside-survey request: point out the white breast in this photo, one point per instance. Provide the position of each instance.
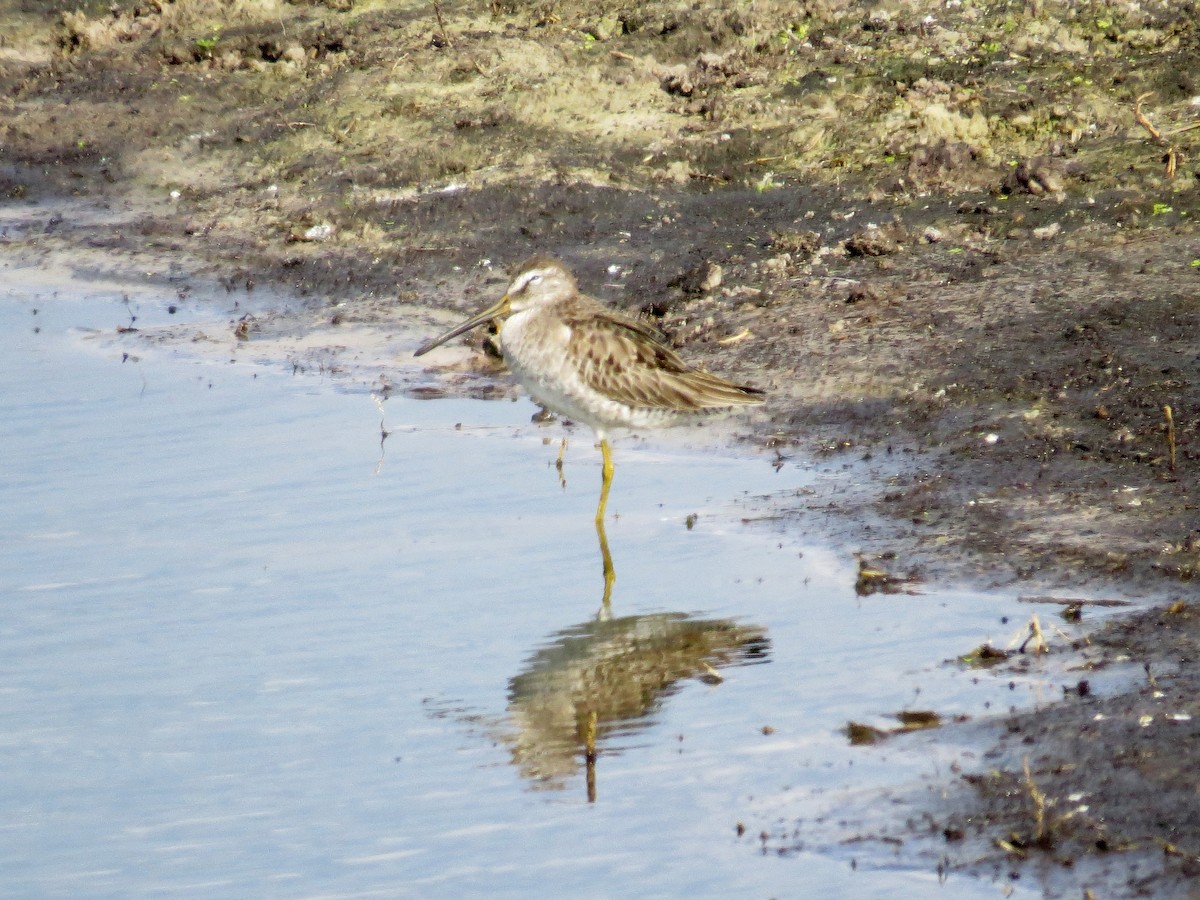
(536, 347)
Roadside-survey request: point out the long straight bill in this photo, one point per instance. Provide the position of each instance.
(492, 312)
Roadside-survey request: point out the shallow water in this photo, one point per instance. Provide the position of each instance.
(249, 649)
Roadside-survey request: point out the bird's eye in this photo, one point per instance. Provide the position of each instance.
(534, 278)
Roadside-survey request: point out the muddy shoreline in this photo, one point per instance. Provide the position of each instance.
(962, 265)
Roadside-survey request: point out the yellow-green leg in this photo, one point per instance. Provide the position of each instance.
(558, 463)
(589, 754)
(606, 483)
(610, 574)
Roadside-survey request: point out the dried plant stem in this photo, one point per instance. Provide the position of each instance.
(1039, 806)
(1173, 154)
(1035, 637)
(437, 11)
(1170, 417)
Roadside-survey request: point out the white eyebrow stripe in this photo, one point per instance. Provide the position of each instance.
(521, 283)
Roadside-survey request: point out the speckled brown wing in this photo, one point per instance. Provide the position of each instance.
(623, 359)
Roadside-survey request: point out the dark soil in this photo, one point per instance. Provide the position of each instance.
(1100, 790)
(956, 239)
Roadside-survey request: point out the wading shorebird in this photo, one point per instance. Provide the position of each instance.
(587, 362)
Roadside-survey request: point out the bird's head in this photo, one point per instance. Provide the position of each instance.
(540, 281)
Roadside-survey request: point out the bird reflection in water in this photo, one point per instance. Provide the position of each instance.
(601, 367)
(607, 678)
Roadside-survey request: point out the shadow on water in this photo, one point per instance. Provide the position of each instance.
(603, 680)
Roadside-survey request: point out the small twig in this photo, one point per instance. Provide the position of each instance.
(1173, 154)
(1144, 122)
(1170, 417)
(437, 11)
(734, 338)
(617, 54)
(1074, 601)
(1182, 128)
(1036, 636)
(1039, 806)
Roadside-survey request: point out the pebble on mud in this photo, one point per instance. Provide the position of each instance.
(322, 232)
